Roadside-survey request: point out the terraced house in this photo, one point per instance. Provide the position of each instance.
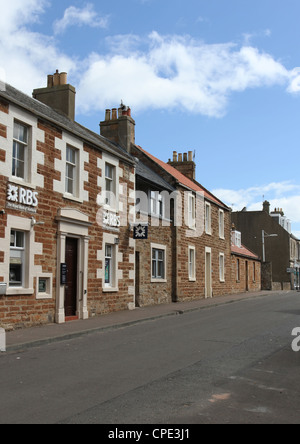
(64, 253)
(93, 223)
(187, 253)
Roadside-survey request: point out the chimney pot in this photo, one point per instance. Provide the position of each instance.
(174, 156)
(190, 156)
(63, 78)
(50, 81)
(107, 115)
(185, 157)
(180, 157)
(56, 79)
(114, 114)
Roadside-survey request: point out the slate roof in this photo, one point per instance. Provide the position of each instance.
(183, 180)
(151, 176)
(43, 111)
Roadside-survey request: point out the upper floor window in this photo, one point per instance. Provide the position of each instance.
(221, 224)
(20, 155)
(156, 204)
(207, 218)
(72, 171)
(191, 211)
(110, 184)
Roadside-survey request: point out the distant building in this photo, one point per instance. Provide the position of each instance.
(269, 236)
(245, 266)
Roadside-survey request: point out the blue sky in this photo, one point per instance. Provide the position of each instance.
(218, 77)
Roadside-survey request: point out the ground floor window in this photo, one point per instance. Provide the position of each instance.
(17, 259)
(192, 263)
(109, 265)
(222, 267)
(158, 264)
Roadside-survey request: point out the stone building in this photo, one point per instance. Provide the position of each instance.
(187, 253)
(65, 249)
(268, 236)
(245, 266)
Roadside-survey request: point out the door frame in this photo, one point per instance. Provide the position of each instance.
(77, 276)
(72, 223)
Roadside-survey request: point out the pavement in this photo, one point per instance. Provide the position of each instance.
(18, 340)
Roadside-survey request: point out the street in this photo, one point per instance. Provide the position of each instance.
(228, 364)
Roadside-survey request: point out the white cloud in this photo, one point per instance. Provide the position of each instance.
(86, 16)
(285, 195)
(178, 71)
(25, 56)
(155, 71)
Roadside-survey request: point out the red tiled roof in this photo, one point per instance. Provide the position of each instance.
(182, 179)
(243, 251)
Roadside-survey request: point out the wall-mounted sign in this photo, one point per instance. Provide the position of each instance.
(63, 274)
(140, 232)
(22, 199)
(111, 219)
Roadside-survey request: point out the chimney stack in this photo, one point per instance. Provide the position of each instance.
(185, 164)
(119, 127)
(59, 95)
(266, 207)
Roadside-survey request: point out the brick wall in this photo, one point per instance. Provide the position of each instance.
(27, 310)
(245, 281)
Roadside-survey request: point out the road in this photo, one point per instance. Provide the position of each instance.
(227, 364)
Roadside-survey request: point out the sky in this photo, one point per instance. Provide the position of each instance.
(220, 78)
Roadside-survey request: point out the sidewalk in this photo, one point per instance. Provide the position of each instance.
(36, 336)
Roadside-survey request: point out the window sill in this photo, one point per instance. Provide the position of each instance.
(192, 279)
(110, 290)
(158, 281)
(21, 182)
(19, 291)
(73, 198)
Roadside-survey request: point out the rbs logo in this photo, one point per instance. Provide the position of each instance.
(296, 341)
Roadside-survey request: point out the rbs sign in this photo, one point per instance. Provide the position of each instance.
(21, 199)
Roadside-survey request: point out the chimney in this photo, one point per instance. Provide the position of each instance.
(266, 207)
(59, 95)
(185, 164)
(119, 127)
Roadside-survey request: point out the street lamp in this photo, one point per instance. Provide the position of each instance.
(264, 235)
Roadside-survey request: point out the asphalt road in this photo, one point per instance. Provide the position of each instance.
(227, 364)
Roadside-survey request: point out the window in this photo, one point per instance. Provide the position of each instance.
(207, 218)
(156, 204)
(222, 267)
(192, 264)
(221, 224)
(17, 259)
(71, 171)
(109, 265)
(191, 211)
(254, 272)
(238, 270)
(20, 151)
(158, 264)
(110, 187)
